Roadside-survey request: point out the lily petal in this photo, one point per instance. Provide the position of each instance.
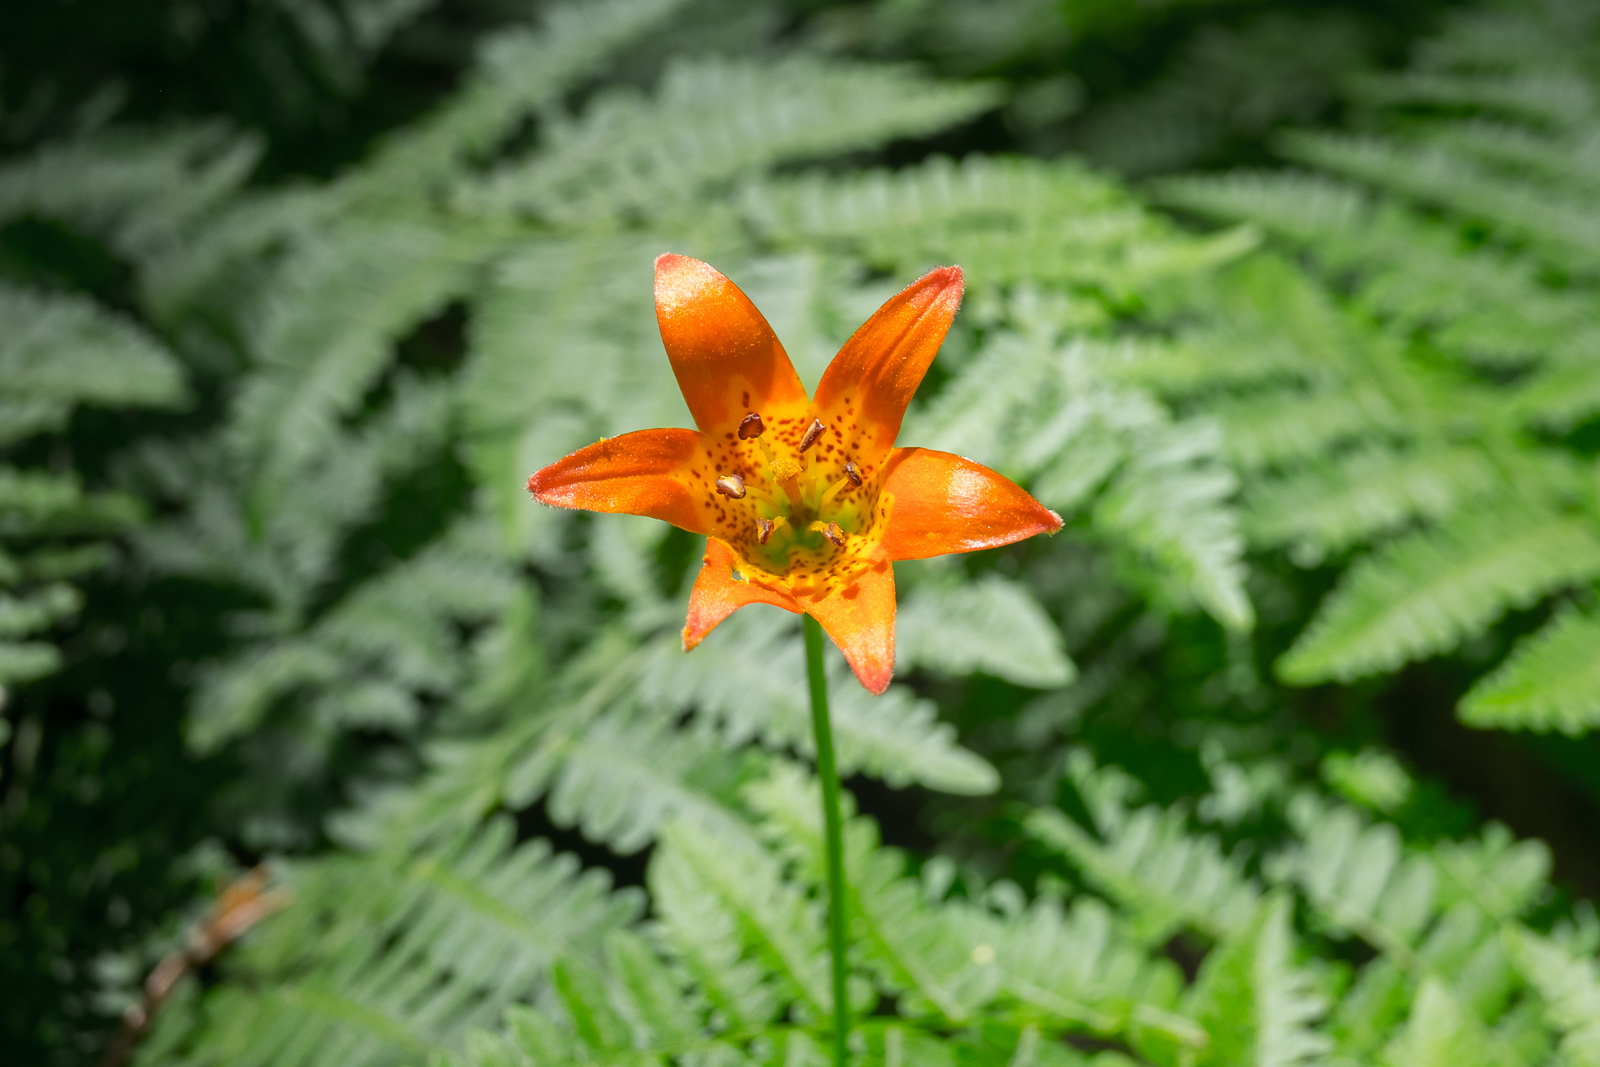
(717, 594)
(864, 392)
(647, 472)
(727, 360)
(940, 503)
(860, 619)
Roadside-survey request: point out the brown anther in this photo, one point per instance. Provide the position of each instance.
(853, 472)
(731, 485)
(764, 529)
(834, 533)
(752, 427)
(813, 432)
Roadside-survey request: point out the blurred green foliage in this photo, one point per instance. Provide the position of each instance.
(295, 293)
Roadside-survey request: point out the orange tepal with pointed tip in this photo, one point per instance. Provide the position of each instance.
(805, 502)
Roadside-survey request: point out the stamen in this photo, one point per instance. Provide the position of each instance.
(764, 529)
(834, 490)
(731, 485)
(853, 472)
(834, 533)
(752, 427)
(813, 432)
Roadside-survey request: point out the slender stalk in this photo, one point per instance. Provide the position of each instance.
(834, 829)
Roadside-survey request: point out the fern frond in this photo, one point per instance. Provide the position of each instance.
(992, 626)
(322, 344)
(712, 120)
(387, 958)
(62, 350)
(1551, 681)
(1425, 593)
(624, 777)
(1553, 96)
(35, 504)
(519, 70)
(1080, 966)
(25, 661)
(1492, 308)
(1226, 356)
(1560, 160)
(1330, 506)
(1561, 226)
(1359, 879)
(748, 678)
(776, 923)
(1005, 221)
(38, 609)
(1255, 1005)
(1560, 396)
(1496, 873)
(1570, 989)
(1027, 405)
(366, 662)
(706, 938)
(923, 953)
(1278, 430)
(142, 190)
(1441, 1032)
(1154, 868)
(1307, 207)
(1170, 504)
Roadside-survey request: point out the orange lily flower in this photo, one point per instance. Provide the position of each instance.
(805, 502)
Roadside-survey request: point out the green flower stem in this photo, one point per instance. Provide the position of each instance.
(834, 829)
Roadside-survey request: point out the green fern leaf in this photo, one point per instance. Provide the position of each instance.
(1427, 592)
(705, 937)
(519, 70)
(1080, 966)
(393, 957)
(1330, 506)
(1496, 873)
(66, 350)
(602, 1031)
(1255, 1005)
(935, 958)
(1560, 396)
(748, 678)
(1360, 880)
(1551, 681)
(1170, 504)
(25, 661)
(144, 191)
(1441, 1033)
(624, 776)
(1151, 866)
(777, 924)
(1310, 208)
(1553, 96)
(1278, 430)
(712, 120)
(1005, 221)
(40, 608)
(1561, 226)
(992, 626)
(1570, 988)
(322, 345)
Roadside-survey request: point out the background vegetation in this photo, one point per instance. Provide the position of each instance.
(1280, 754)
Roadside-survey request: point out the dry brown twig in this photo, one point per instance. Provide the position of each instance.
(237, 908)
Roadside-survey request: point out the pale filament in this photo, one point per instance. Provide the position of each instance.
(787, 474)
